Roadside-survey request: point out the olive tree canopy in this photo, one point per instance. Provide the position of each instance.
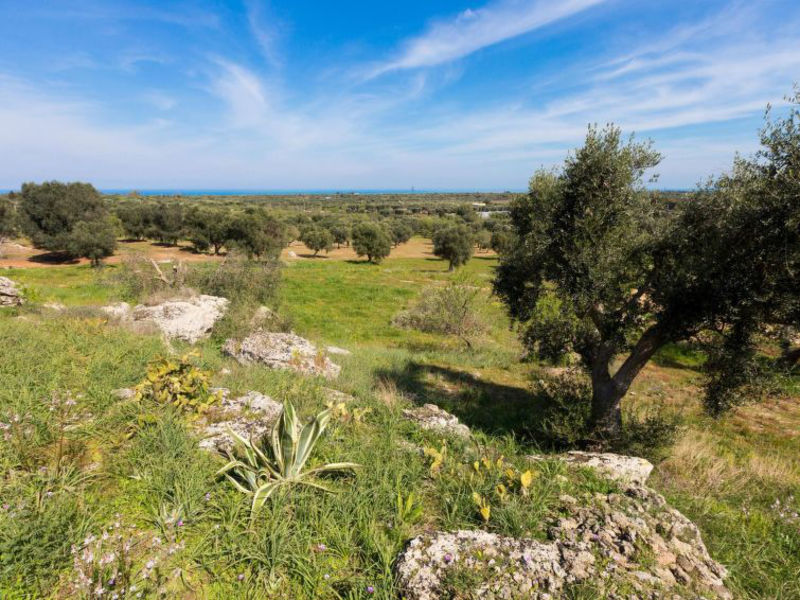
(600, 267)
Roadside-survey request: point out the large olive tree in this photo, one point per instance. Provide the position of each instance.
(72, 218)
(602, 268)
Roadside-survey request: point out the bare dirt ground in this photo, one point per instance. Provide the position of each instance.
(19, 254)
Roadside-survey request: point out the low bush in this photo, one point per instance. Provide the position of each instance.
(455, 309)
(239, 279)
(566, 401)
(144, 280)
(251, 286)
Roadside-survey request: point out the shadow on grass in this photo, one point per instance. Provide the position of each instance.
(490, 407)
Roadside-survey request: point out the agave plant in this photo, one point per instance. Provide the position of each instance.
(260, 468)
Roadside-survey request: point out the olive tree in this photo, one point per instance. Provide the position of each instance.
(401, 231)
(62, 217)
(8, 220)
(454, 244)
(622, 275)
(316, 239)
(372, 241)
(257, 233)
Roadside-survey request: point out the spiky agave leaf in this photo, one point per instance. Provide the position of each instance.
(261, 471)
(309, 436)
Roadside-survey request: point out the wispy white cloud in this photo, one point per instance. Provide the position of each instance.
(265, 29)
(243, 93)
(471, 30)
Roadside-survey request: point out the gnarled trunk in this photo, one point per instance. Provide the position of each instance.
(608, 391)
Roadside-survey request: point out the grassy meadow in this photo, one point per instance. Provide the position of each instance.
(69, 472)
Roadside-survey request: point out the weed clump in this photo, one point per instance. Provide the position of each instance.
(178, 382)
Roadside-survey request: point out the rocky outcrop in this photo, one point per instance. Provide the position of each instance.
(282, 351)
(615, 542)
(623, 469)
(250, 416)
(433, 418)
(10, 295)
(187, 319)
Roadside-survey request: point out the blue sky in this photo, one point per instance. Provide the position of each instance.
(258, 94)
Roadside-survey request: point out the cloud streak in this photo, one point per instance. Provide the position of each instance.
(471, 30)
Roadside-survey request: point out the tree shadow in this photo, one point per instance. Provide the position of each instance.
(54, 258)
(487, 406)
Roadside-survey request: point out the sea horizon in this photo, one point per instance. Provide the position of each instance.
(303, 192)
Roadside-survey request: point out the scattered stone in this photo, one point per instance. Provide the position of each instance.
(640, 541)
(120, 311)
(250, 416)
(188, 320)
(224, 393)
(337, 396)
(10, 295)
(433, 418)
(123, 393)
(336, 350)
(225, 371)
(407, 446)
(624, 469)
(292, 254)
(282, 351)
(55, 306)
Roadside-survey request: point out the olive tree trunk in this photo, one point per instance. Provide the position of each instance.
(608, 390)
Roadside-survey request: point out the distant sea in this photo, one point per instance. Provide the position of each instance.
(298, 192)
(303, 192)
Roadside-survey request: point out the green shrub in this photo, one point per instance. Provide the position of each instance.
(566, 405)
(141, 278)
(249, 285)
(455, 309)
(649, 434)
(239, 279)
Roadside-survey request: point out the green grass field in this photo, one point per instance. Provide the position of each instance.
(141, 462)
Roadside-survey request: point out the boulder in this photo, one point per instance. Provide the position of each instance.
(10, 295)
(624, 469)
(250, 416)
(189, 320)
(433, 418)
(282, 351)
(601, 541)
